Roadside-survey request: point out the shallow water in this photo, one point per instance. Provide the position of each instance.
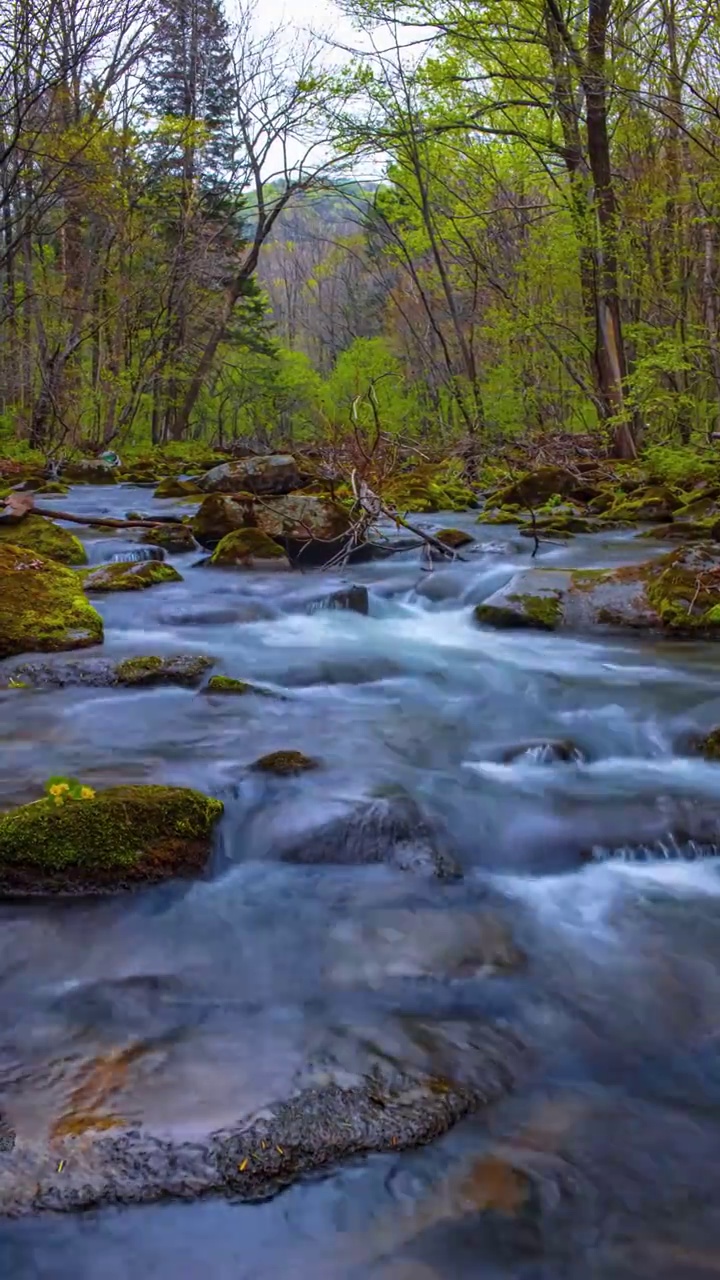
(184, 1007)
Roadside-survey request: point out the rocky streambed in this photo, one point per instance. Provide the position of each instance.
(444, 970)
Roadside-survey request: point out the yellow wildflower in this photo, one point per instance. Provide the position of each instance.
(59, 799)
(86, 793)
(59, 788)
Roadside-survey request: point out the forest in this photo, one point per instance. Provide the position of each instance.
(488, 222)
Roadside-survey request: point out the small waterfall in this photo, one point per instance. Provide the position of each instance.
(668, 849)
(137, 555)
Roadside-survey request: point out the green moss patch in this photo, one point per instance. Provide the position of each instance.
(172, 488)
(129, 576)
(37, 533)
(121, 837)
(42, 606)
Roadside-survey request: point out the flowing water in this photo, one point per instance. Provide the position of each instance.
(187, 1006)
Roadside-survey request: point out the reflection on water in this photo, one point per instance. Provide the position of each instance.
(189, 1006)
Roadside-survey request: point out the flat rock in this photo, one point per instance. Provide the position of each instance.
(101, 673)
(260, 1155)
(676, 594)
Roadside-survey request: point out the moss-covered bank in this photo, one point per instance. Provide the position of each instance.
(40, 534)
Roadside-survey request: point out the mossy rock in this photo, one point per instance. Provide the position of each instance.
(536, 612)
(174, 538)
(37, 533)
(560, 526)
(454, 538)
(285, 763)
(130, 576)
(675, 595)
(656, 502)
(237, 688)
(172, 488)
(121, 838)
(430, 487)
(186, 670)
(43, 608)
(152, 670)
(500, 515)
(708, 746)
(533, 488)
(90, 471)
(249, 548)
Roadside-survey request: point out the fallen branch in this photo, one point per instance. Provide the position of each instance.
(101, 522)
(373, 506)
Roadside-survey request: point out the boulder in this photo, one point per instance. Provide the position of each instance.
(116, 839)
(249, 549)
(126, 576)
(390, 830)
(174, 538)
(284, 764)
(274, 473)
(170, 487)
(90, 471)
(42, 606)
(219, 515)
(302, 520)
(100, 673)
(678, 594)
(37, 533)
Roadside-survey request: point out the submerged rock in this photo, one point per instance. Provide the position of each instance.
(454, 538)
(391, 830)
(274, 473)
(43, 608)
(127, 576)
(285, 763)
(249, 549)
(426, 943)
(708, 745)
(261, 1155)
(174, 538)
(350, 599)
(676, 595)
(37, 533)
(117, 839)
(100, 673)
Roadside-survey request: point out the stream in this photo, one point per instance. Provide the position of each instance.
(218, 997)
